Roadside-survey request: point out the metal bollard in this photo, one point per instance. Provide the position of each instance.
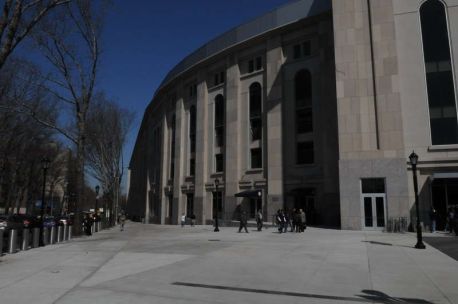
(52, 235)
(65, 232)
(12, 244)
(25, 239)
(45, 236)
(35, 237)
(69, 235)
(60, 236)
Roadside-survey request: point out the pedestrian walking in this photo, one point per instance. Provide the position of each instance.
(183, 220)
(292, 220)
(87, 223)
(303, 220)
(122, 221)
(243, 222)
(455, 220)
(298, 220)
(193, 220)
(279, 220)
(449, 221)
(285, 221)
(433, 218)
(259, 220)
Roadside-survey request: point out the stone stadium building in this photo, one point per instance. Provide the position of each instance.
(315, 105)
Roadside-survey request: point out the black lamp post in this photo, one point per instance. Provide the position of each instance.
(45, 166)
(413, 161)
(97, 189)
(216, 211)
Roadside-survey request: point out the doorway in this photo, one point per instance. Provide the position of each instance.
(444, 194)
(374, 207)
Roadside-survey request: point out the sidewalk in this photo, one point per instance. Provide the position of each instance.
(169, 264)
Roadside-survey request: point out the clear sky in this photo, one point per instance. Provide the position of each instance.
(144, 39)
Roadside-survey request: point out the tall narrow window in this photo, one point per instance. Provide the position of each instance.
(172, 149)
(219, 120)
(439, 75)
(255, 111)
(192, 140)
(256, 158)
(303, 94)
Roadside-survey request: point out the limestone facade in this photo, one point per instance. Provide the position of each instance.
(355, 69)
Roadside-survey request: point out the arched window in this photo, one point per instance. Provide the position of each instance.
(219, 120)
(303, 96)
(192, 140)
(256, 111)
(439, 74)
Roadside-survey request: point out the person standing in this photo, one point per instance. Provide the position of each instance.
(243, 222)
(87, 222)
(298, 220)
(183, 220)
(193, 220)
(259, 219)
(449, 220)
(292, 219)
(433, 218)
(279, 220)
(455, 221)
(303, 220)
(122, 221)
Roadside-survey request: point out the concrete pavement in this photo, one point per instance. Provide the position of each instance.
(169, 264)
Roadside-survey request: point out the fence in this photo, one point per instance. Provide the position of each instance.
(397, 225)
(14, 240)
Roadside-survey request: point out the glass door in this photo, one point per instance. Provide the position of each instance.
(374, 214)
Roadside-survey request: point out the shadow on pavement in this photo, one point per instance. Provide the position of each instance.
(380, 297)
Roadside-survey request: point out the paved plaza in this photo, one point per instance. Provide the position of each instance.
(169, 264)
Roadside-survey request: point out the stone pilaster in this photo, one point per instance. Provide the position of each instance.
(273, 107)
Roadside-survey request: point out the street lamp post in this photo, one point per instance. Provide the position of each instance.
(45, 166)
(413, 161)
(216, 211)
(97, 189)
(96, 213)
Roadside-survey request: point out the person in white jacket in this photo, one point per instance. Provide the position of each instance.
(183, 220)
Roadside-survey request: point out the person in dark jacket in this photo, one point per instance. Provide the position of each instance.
(243, 222)
(87, 222)
(279, 220)
(303, 220)
(259, 220)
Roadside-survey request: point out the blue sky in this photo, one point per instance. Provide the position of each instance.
(144, 39)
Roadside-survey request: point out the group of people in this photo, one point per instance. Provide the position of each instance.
(295, 219)
(192, 217)
(91, 218)
(451, 221)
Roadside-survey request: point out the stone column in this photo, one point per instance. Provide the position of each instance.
(201, 150)
(180, 159)
(165, 165)
(233, 140)
(273, 109)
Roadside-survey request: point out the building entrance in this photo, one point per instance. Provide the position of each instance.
(444, 194)
(374, 211)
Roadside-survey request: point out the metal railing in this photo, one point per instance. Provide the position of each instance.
(396, 225)
(14, 240)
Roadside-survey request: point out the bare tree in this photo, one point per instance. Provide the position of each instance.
(71, 44)
(108, 125)
(18, 19)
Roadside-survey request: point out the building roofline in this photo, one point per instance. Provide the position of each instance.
(279, 17)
